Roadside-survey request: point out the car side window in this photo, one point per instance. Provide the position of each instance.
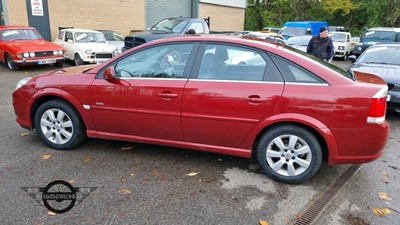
(68, 36)
(198, 27)
(295, 73)
(224, 62)
(60, 35)
(165, 61)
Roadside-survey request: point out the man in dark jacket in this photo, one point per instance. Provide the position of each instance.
(321, 45)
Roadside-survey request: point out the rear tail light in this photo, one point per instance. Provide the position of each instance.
(377, 109)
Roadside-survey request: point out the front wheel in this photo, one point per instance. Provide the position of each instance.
(10, 63)
(78, 60)
(59, 125)
(345, 56)
(289, 154)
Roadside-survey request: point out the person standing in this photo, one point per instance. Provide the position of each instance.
(321, 45)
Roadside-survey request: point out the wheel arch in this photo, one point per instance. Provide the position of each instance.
(322, 133)
(43, 98)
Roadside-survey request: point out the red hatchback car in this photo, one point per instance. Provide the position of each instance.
(20, 45)
(218, 94)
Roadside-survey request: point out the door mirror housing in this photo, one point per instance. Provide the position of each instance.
(109, 73)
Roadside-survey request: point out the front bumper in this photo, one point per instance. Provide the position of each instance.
(40, 61)
(339, 54)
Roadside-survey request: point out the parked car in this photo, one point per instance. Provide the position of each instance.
(272, 37)
(376, 35)
(186, 92)
(85, 46)
(299, 28)
(342, 44)
(114, 39)
(384, 61)
(299, 42)
(271, 30)
(22, 46)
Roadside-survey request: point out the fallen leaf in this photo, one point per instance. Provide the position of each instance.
(132, 174)
(125, 191)
(127, 147)
(385, 179)
(386, 210)
(71, 181)
(49, 213)
(263, 222)
(86, 160)
(192, 174)
(385, 173)
(24, 134)
(383, 195)
(46, 156)
(378, 212)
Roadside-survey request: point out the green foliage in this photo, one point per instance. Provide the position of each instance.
(355, 15)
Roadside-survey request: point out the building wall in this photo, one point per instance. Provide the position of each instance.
(120, 16)
(223, 18)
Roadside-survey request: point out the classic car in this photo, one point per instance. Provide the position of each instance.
(186, 92)
(23, 46)
(114, 39)
(85, 46)
(383, 60)
(342, 44)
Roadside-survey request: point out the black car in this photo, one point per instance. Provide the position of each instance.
(376, 35)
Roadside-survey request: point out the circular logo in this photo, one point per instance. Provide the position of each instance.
(59, 196)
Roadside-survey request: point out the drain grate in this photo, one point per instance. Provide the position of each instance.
(317, 207)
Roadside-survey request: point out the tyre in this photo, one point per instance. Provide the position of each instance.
(59, 125)
(289, 154)
(59, 64)
(345, 56)
(78, 60)
(10, 63)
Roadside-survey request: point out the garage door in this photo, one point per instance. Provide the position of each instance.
(157, 10)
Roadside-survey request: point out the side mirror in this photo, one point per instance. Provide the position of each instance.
(352, 58)
(109, 73)
(191, 31)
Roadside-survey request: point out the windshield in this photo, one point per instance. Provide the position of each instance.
(302, 40)
(20, 34)
(113, 36)
(85, 37)
(380, 36)
(381, 55)
(294, 31)
(338, 37)
(170, 25)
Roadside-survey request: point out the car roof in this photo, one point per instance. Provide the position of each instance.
(395, 29)
(339, 32)
(390, 44)
(80, 30)
(3, 27)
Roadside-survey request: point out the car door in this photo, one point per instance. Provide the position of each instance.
(66, 40)
(145, 98)
(232, 89)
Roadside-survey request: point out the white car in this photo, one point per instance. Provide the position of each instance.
(342, 44)
(85, 46)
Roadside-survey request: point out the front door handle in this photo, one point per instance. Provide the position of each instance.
(255, 99)
(167, 94)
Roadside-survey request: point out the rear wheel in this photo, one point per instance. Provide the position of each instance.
(59, 125)
(289, 154)
(10, 63)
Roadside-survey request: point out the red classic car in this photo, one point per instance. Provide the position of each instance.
(219, 94)
(20, 45)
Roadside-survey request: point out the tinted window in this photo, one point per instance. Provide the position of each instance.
(68, 36)
(222, 62)
(166, 61)
(294, 73)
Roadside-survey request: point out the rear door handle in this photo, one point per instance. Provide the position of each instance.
(255, 99)
(167, 95)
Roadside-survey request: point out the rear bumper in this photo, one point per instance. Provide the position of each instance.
(365, 145)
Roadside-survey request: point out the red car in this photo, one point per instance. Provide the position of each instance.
(20, 46)
(226, 95)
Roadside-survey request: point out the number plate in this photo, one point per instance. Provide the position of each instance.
(388, 98)
(46, 61)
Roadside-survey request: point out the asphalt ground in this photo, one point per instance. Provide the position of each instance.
(149, 184)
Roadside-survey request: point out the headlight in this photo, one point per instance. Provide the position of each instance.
(32, 54)
(359, 48)
(55, 52)
(116, 52)
(88, 51)
(26, 54)
(22, 82)
(60, 52)
(341, 47)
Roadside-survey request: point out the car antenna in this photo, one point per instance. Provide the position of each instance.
(277, 35)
